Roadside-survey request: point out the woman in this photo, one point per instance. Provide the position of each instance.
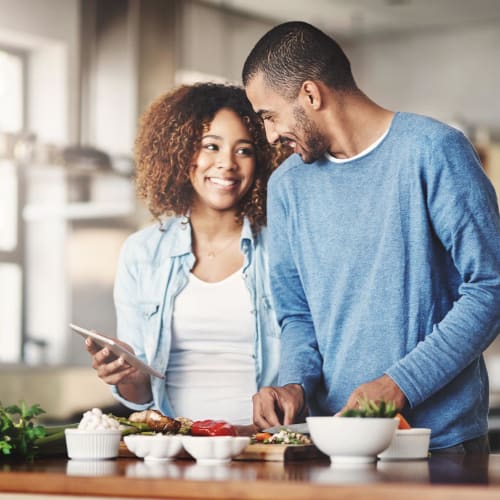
(191, 293)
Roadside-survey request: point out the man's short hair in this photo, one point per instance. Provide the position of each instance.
(294, 52)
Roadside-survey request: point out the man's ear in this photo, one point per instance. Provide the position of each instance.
(310, 95)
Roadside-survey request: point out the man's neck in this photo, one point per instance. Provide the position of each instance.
(355, 122)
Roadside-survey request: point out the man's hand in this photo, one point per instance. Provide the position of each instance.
(278, 405)
(382, 388)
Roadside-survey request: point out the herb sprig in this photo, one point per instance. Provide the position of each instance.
(367, 408)
(18, 430)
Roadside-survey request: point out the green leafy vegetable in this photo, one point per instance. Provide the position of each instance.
(367, 408)
(18, 431)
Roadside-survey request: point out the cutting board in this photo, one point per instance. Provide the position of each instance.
(280, 452)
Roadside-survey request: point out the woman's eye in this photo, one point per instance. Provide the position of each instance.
(245, 151)
(211, 147)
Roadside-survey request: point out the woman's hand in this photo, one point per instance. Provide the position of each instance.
(132, 384)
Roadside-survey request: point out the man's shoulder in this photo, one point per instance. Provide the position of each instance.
(292, 163)
(424, 126)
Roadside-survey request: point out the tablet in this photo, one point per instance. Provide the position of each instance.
(116, 349)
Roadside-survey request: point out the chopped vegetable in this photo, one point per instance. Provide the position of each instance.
(262, 436)
(212, 428)
(367, 408)
(284, 436)
(403, 423)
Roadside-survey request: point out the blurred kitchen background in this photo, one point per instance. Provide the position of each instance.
(75, 75)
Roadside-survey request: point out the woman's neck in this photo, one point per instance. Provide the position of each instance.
(214, 226)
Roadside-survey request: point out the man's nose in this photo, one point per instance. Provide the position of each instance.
(271, 133)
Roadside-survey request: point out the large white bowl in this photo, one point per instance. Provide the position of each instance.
(352, 440)
(157, 447)
(82, 444)
(214, 449)
(408, 444)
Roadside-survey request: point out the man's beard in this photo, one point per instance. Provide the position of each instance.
(314, 142)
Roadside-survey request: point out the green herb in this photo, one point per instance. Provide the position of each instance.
(367, 408)
(18, 431)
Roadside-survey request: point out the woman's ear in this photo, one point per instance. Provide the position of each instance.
(310, 95)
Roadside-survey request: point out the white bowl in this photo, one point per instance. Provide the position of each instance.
(351, 440)
(157, 447)
(408, 444)
(214, 449)
(92, 445)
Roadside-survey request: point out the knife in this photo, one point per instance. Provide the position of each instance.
(303, 428)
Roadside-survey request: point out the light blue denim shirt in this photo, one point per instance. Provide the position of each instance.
(153, 268)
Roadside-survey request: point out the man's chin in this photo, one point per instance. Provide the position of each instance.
(308, 158)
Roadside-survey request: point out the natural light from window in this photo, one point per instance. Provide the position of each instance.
(11, 92)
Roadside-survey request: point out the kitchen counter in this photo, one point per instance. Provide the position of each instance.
(440, 477)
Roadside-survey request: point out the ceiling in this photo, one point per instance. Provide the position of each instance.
(351, 19)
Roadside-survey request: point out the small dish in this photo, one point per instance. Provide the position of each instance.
(82, 444)
(408, 444)
(351, 440)
(156, 447)
(214, 449)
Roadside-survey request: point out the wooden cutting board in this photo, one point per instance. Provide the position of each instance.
(279, 452)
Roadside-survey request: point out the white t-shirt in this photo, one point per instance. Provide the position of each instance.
(211, 370)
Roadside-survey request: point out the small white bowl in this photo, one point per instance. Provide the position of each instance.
(408, 444)
(92, 445)
(214, 449)
(351, 440)
(157, 447)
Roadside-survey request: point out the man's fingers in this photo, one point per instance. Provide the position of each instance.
(264, 408)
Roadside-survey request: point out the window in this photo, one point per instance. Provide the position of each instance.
(11, 91)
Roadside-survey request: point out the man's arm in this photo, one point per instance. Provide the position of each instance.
(300, 367)
(464, 214)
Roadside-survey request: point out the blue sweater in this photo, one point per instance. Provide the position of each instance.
(390, 263)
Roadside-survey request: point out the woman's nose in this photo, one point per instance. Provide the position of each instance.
(225, 160)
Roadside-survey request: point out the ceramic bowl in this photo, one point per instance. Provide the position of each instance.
(350, 439)
(214, 449)
(157, 447)
(408, 444)
(92, 445)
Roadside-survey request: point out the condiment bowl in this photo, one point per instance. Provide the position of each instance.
(156, 447)
(214, 449)
(352, 440)
(408, 444)
(83, 444)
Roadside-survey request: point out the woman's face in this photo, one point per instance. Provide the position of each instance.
(223, 170)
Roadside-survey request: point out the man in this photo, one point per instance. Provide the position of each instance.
(385, 249)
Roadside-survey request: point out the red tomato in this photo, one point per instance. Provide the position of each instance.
(212, 428)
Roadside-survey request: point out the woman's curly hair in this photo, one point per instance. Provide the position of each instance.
(169, 137)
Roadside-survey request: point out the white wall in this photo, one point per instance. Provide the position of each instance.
(48, 31)
(452, 75)
(215, 43)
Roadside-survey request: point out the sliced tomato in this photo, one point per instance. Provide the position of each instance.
(403, 423)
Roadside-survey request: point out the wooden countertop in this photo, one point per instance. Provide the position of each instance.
(440, 477)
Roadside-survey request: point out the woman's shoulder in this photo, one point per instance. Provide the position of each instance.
(153, 239)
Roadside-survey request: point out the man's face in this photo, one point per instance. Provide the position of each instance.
(286, 121)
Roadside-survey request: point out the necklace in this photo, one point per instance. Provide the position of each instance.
(211, 254)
